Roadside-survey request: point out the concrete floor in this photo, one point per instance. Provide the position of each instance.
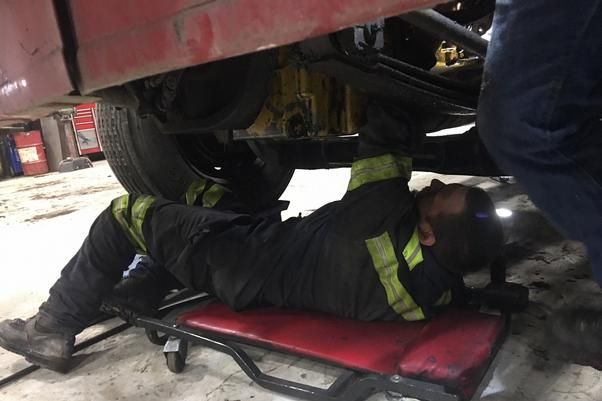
(44, 219)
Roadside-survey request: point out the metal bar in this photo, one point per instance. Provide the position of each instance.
(427, 76)
(239, 356)
(343, 381)
(427, 87)
(17, 375)
(389, 83)
(445, 28)
(187, 298)
(102, 336)
(183, 297)
(84, 344)
(352, 386)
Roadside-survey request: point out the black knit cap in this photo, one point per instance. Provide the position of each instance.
(470, 240)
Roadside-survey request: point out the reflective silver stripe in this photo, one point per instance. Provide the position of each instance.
(213, 195)
(139, 210)
(194, 190)
(131, 221)
(412, 252)
(386, 265)
(379, 168)
(413, 255)
(120, 210)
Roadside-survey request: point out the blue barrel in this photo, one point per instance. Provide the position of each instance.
(10, 155)
(15, 160)
(4, 166)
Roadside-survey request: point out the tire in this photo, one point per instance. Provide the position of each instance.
(155, 338)
(145, 160)
(175, 362)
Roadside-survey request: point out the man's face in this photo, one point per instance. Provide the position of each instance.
(439, 198)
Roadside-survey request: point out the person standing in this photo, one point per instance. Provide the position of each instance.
(539, 116)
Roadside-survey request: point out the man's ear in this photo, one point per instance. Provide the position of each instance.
(426, 234)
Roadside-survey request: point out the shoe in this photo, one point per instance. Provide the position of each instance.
(43, 347)
(577, 335)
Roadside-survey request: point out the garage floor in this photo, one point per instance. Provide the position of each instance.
(43, 220)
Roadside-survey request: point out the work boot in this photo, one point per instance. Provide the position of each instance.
(576, 334)
(46, 347)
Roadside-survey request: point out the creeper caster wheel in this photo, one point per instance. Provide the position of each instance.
(175, 351)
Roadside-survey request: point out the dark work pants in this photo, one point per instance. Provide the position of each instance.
(540, 109)
(90, 275)
(176, 237)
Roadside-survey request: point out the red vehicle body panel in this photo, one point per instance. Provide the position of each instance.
(122, 40)
(33, 73)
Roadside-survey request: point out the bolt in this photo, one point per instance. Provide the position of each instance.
(395, 378)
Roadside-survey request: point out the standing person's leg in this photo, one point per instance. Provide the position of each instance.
(540, 107)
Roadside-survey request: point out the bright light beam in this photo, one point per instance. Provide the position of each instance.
(503, 212)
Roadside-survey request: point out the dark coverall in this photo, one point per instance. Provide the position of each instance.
(151, 282)
(359, 257)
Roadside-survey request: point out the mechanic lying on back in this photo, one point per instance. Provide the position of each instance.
(379, 253)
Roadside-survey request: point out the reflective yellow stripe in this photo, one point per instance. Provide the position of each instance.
(386, 265)
(445, 298)
(213, 195)
(412, 252)
(132, 224)
(414, 314)
(379, 168)
(194, 190)
(139, 210)
(404, 164)
(119, 208)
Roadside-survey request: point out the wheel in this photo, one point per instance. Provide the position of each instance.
(154, 337)
(175, 362)
(147, 161)
(175, 351)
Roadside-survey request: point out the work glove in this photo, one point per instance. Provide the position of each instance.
(389, 129)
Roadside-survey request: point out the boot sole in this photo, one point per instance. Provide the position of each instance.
(60, 365)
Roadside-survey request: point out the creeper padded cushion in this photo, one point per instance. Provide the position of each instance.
(453, 349)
